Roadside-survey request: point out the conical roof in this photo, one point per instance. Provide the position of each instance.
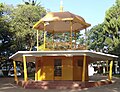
(61, 22)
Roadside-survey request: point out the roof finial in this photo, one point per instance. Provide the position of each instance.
(61, 5)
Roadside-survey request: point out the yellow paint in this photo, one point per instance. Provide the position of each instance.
(37, 40)
(58, 78)
(61, 6)
(70, 69)
(39, 73)
(77, 70)
(77, 73)
(36, 70)
(15, 71)
(47, 73)
(47, 69)
(67, 69)
(25, 68)
(41, 47)
(37, 24)
(110, 72)
(50, 69)
(84, 68)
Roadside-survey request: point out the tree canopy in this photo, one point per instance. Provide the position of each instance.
(23, 18)
(16, 23)
(105, 37)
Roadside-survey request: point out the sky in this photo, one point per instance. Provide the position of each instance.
(93, 11)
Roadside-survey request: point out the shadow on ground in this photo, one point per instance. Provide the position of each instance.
(7, 85)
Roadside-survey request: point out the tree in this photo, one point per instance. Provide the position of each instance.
(5, 37)
(97, 38)
(16, 31)
(112, 25)
(22, 20)
(5, 34)
(106, 35)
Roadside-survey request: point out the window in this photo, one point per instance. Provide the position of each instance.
(80, 63)
(57, 67)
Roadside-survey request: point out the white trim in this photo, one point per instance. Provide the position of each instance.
(67, 53)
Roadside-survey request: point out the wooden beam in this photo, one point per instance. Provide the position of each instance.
(25, 68)
(15, 72)
(110, 71)
(84, 68)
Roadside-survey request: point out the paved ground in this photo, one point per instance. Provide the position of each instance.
(7, 85)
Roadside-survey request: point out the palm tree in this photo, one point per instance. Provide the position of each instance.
(30, 2)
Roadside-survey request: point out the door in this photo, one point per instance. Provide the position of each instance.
(58, 69)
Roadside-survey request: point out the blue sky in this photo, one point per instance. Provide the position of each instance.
(92, 10)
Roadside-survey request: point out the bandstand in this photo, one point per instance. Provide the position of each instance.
(61, 61)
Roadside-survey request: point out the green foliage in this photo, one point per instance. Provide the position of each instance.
(5, 34)
(106, 35)
(16, 23)
(23, 18)
(96, 38)
(16, 31)
(112, 25)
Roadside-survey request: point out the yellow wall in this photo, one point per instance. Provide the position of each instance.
(67, 68)
(46, 68)
(70, 69)
(77, 70)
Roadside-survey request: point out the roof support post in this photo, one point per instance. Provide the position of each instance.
(36, 69)
(15, 72)
(39, 72)
(71, 28)
(39, 59)
(84, 68)
(37, 40)
(25, 68)
(44, 37)
(110, 71)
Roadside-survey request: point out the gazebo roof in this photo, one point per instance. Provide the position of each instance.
(60, 22)
(31, 55)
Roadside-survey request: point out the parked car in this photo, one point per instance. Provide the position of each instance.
(11, 72)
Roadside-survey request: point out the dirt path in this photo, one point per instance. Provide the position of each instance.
(115, 87)
(7, 85)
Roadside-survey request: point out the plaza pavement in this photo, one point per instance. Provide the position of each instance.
(7, 85)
